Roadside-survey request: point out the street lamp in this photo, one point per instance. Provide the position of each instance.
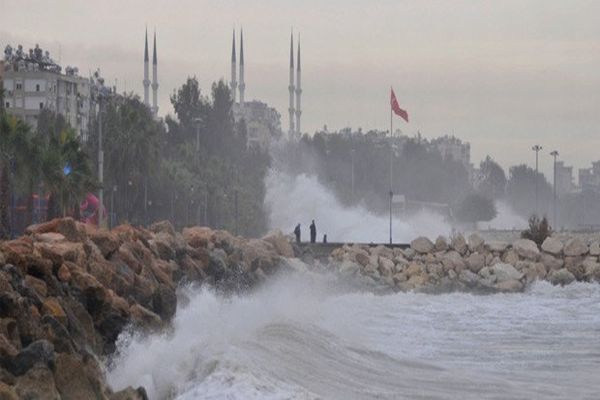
(537, 149)
(102, 92)
(112, 206)
(554, 154)
(352, 157)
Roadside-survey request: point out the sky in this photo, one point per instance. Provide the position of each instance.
(503, 75)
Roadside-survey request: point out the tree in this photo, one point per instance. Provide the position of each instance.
(493, 179)
(475, 208)
(521, 187)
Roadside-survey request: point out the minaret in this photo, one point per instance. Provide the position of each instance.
(146, 73)
(233, 70)
(242, 83)
(154, 81)
(291, 86)
(298, 91)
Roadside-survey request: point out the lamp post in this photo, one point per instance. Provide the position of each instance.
(537, 149)
(112, 206)
(555, 155)
(102, 93)
(352, 156)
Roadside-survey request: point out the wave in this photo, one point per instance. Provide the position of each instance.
(295, 339)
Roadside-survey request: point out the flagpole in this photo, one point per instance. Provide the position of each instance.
(391, 168)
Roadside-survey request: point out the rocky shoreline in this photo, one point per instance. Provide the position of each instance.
(471, 264)
(67, 290)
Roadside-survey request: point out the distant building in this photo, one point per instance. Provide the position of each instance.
(589, 178)
(564, 179)
(263, 123)
(33, 82)
(154, 107)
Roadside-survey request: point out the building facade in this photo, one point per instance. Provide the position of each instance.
(34, 82)
(564, 179)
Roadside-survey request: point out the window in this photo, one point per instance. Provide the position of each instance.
(7, 104)
(37, 87)
(19, 86)
(41, 106)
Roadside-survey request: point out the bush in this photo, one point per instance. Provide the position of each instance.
(538, 231)
(475, 208)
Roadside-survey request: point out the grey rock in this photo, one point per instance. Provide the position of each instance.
(561, 277)
(475, 242)
(511, 285)
(506, 272)
(575, 247)
(459, 244)
(475, 262)
(422, 245)
(468, 278)
(496, 246)
(551, 262)
(441, 244)
(553, 246)
(595, 248)
(527, 249)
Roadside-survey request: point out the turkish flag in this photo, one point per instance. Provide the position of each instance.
(396, 108)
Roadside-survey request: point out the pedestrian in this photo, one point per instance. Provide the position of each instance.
(325, 238)
(313, 232)
(297, 233)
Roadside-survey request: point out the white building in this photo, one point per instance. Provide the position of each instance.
(33, 82)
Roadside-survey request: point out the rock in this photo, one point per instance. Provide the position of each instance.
(63, 273)
(145, 318)
(40, 351)
(575, 247)
(66, 226)
(281, 243)
(453, 261)
(164, 227)
(475, 262)
(52, 307)
(38, 384)
(459, 244)
(550, 262)
(441, 244)
(595, 248)
(575, 266)
(164, 302)
(511, 285)
(7, 392)
(37, 284)
(348, 268)
(197, 236)
(362, 259)
(561, 277)
(505, 272)
(496, 246)
(591, 269)
(78, 377)
(50, 237)
(510, 257)
(468, 278)
(475, 242)
(422, 245)
(386, 266)
(527, 249)
(414, 269)
(552, 246)
(107, 242)
(130, 394)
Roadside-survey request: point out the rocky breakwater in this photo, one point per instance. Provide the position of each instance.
(470, 264)
(67, 290)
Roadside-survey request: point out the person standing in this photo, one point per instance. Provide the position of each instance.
(297, 233)
(313, 232)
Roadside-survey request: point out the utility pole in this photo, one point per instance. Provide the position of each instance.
(391, 170)
(235, 199)
(554, 154)
(537, 149)
(100, 163)
(352, 154)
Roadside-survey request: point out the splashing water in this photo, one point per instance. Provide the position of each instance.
(293, 339)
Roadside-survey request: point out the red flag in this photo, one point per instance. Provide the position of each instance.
(396, 108)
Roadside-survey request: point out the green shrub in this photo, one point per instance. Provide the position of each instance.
(538, 231)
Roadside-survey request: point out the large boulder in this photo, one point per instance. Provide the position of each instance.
(511, 285)
(595, 248)
(551, 262)
(561, 277)
(40, 351)
(553, 246)
(459, 243)
(441, 243)
(575, 247)
(68, 227)
(422, 245)
(78, 377)
(281, 243)
(468, 278)
(475, 262)
(505, 272)
(527, 249)
(386, 266)
(496, 246)
(37, 383)
(475, 242)
(107, 242)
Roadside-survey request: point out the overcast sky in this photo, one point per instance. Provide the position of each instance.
(503, 75)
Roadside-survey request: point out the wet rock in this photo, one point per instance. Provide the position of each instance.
(561, 277)
(595, 248)
(65, 226)
(38, 384)
(7, 392)
(37, 284)
(52, 307)
(41, 351)
(575, 247)
(422, 245)
(164, 302)
(468, 278)
(386, 266)
(511, 285)
(527, 249)
(79, 377)
(505, 272)
(107, 242)
(130, 394)
(281, 243)
(551, 262)
(164, 227)
(552, 246)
